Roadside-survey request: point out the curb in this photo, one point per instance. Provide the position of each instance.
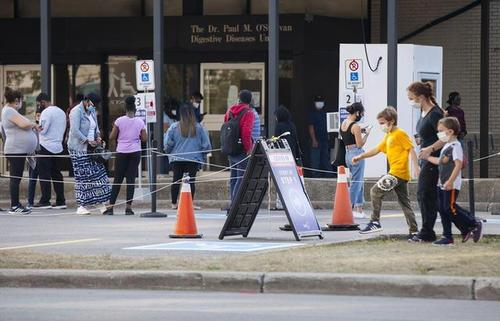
(442, 287)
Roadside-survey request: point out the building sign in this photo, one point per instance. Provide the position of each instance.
(144, 73)
(232, 33)
(354, 73)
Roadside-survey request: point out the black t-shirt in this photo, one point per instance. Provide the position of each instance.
(427, 128)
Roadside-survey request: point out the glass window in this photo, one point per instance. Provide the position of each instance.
(27, 79)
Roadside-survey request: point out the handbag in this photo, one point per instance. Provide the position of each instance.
(99, 153)
(339, 153)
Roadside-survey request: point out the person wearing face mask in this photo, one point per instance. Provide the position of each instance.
(450, 181)
(421, 96)
(20, 141)
(91, 180)
(320, 151)
(398, 147)
(354, 140)
(194, 102)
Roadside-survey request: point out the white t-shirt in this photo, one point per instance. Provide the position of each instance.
(53, 123)
(91, 134)
(450, 152)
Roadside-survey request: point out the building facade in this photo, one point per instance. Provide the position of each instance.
(220, 46)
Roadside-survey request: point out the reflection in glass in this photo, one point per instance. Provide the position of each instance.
(29, 83)
(221, 87)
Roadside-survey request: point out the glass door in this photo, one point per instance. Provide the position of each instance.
(220, 84)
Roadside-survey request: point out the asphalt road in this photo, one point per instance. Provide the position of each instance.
(64, 232)
(19, 304)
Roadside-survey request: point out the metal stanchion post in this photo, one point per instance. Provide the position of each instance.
(152, 176)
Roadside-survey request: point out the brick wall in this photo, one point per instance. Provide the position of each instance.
(460, 38)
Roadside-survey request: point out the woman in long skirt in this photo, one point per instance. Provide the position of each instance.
(91, 180)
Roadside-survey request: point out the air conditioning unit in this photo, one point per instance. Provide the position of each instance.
(332, 122)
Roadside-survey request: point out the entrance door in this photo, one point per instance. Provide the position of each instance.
(220, 84)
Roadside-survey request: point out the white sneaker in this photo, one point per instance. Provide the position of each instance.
(358, 214)
(82, 211)
(102, 208)
(196, 208)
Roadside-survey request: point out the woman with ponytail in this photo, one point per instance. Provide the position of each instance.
(422, 97)
(354, 138)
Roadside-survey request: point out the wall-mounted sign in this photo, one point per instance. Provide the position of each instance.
(354, 73)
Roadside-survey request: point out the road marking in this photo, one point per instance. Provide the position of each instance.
(215, 246)
(47, 244)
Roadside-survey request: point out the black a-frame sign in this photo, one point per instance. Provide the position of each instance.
(271, 156)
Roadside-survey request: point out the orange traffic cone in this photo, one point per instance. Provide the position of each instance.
(185, 227)
(288, 227)
(342, 218)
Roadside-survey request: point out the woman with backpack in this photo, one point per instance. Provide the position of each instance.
(188, 143)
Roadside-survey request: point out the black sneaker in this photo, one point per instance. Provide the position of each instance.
(61, 206)
(477, 233)
(417, 238)
(444, 242)
(128, 211)
(371, 227)
(19, 209)
(108, 211)
(468, 235)
(42, 206)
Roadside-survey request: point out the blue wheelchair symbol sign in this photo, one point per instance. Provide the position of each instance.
(145, 77)
(354, 76)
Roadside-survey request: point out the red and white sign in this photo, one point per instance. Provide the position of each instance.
(353, 73)
(144, 72)
(353, 65)
(146, 107)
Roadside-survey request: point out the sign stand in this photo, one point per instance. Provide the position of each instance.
(275, 157)
(145, 82)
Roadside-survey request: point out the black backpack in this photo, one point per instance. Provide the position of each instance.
(230, 141)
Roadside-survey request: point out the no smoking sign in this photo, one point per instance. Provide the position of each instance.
(353, 65)
(144, 66)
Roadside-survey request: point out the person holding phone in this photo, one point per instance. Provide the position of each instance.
(354, 138)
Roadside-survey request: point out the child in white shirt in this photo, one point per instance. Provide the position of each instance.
(450, 180)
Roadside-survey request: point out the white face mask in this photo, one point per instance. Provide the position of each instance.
(384, 128)
(196, 105)
(415, 105)
(174, 112)
(443, 137)
(319, 104)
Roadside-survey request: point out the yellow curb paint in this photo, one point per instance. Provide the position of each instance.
(47, 244)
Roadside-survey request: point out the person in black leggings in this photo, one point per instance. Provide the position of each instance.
(20, 141)
(128, 131)
(422, 97)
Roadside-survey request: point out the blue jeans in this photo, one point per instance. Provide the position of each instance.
(237, 170)
(320, 159)
(357, 188)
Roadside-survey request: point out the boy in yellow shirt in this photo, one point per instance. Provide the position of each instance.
(398, 147)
